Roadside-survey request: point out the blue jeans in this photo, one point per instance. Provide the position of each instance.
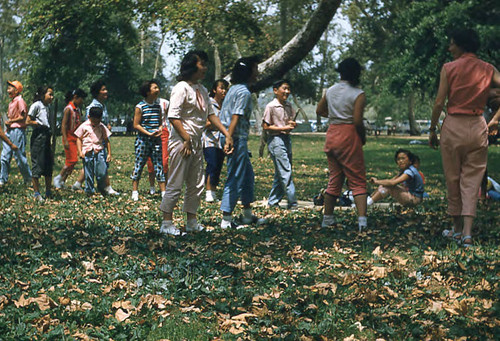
(18, 137)
(94, 164)
(240, 177)
(280, 149)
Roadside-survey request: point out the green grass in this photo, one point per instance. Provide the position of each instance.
(399, 280)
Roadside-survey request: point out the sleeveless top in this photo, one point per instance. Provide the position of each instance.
(340, 99)
(469, 80)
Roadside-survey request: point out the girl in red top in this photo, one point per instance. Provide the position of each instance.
(71, 120)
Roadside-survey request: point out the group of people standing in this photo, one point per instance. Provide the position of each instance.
(76, 142)
(174, 138)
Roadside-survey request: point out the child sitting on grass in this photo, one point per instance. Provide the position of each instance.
(92, 136)
(407, 187)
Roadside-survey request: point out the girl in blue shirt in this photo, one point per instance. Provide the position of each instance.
(407, 187)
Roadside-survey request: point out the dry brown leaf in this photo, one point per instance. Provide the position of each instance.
(81, 336)
(191, 308)
(64, 300)
(23, 285)
(45, 302)
(377, 252)
(121, 315)
(378, 272)
(235, 331)
(120, 249)
(23, 302)
(43, 270)
(65, 255)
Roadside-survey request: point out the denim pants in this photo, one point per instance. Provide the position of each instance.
(94, 164)
(240, 177)
(280, 149)
(18, 137)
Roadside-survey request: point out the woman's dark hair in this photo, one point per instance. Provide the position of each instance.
(410, 155)
(189, 64)
(77, 92)
(242, 70)
(96, 87)
(466, 39)
(216, 84)
(145, 87)
(40, 92)
(350, 70)
(95, 112)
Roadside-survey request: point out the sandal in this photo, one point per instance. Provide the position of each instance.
(464, 243)
(451, 234)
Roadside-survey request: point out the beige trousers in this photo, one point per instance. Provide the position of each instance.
(188, 170)
(401, 195)
(464, 151)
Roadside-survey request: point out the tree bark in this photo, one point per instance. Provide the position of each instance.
(158, 54)
(298, 47)
(414, 131)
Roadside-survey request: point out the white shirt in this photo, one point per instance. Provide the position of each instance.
(340, 98)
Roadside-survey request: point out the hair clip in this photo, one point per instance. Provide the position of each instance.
(242, 64)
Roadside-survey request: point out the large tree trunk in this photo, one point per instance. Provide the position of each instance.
(158, 54)
(414, 131)
(297, 47)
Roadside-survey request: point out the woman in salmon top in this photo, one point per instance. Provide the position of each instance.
(465, 82)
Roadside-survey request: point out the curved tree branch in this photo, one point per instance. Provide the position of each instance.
(298, 47)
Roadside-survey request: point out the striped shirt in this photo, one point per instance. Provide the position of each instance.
(151, 115)
(238, 101)
(211, 137)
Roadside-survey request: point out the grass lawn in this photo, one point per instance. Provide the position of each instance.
(98, 269)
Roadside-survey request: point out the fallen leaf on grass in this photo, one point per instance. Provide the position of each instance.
(45, 302)
(121, 315)
(81, 336)
(191, 308)
(120, 249)
(43, 270)
(377, 252)
(378, 272)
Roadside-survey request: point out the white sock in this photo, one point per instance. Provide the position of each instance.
(191, 223)
(163, 193)
(167, 223)
(108, 188)
(77, 184)
(369, 201)
(362, 222)
(152, 189)
(135, 192)
(328, 219)
(247, 213)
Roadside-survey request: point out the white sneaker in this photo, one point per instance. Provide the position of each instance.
(152, 190)
(76, 186)
(197, 228)
(327, 223)
(170, 229)
(111, 191)
(135, 195)
(57, 181)
(230, 225)
(2, 183)
(210, 197)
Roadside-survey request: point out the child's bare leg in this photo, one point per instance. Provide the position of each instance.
(330, 202)
(48, 183)
(360, 201)
(36, 184)
(381, 193)
(151, 177)
(81, 177)
(135, 185)
(208, 185)
(163, 186)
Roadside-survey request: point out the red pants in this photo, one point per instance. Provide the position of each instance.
(344, 151)
(464, 151)
(164, 151)
(72, 152)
